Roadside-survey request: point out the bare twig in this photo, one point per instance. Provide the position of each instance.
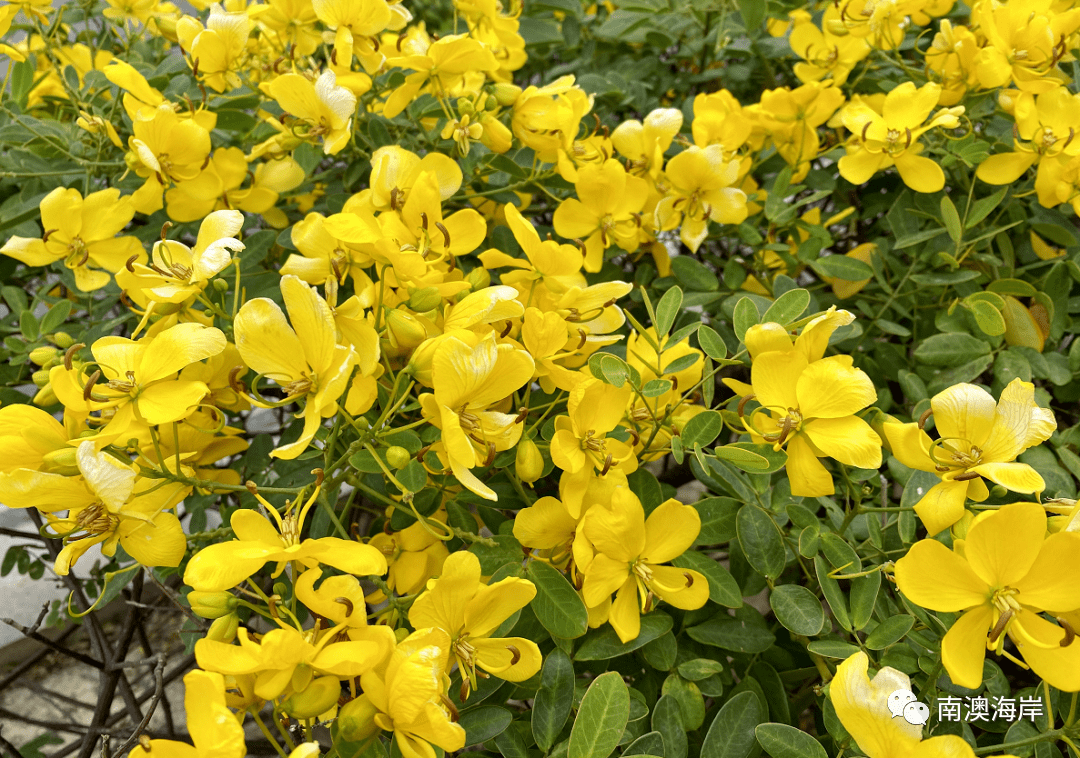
(37, 637)
(159, 687)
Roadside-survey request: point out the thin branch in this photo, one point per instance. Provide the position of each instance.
(159, 677)
(30, 633)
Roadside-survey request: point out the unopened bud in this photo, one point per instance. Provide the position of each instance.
(42, 355)
(479, 279)
(40, 377)
(224, 629)
(316, 699)
(506, 93)
(404, 330)
(60, 461)
(221, 285)
(529, 462)
(356, 720)
(836, 27)
(211, 605)
(420, 363)
(63, 340)
(960, 528)
(45, 397)
(166, 25)
(425, 299)
(398, 457)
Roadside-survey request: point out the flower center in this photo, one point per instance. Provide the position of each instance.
(96, 519)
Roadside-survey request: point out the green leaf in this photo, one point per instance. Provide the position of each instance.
(712, 343)
(681, 363)
(667, 310)
(746, 315)
(554, 699)
(699, 668)
(601, 719)
(761, 541)
(729, 633)
(988, 318)
(483, 723)
(702, 429)
(55, 317)
(511, 744)
(413, 476)
(788, 307)
(950, 349)
(833, 594)
(951, 217)
(783, 741)
(1014, 287)
(656, 387)
(723, 589)
(982, 207)
(557, 605)
(609, 368)
(864, 593)
(667, 720)
(755, 458)
(889, 632)
(944, 278)
(604, 643)
(842, 267)
(797, 609)
(832, 648)
(717, 519)
(911, 240)
(648, 745)
(731, 734)
(694, 275)
(753, 13)
(506, 550)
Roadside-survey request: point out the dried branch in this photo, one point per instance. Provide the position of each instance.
(159, 688)
(37, 637)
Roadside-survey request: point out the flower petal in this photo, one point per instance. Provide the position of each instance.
(774, 376)
(809, 478)
(603, 577)
(833, 388)
(157, 543)
(1058, 666)
(1018, 477)
(942, 506)
(681, 588)
(625, 616)
(964, 412)
(849, 440)
(964, 646)
(1002, 546)
(935, 577)
(443, 605)
(862, 705)
(670, 530)
(1050, 583)
(513, 665)
(313, 322)
(267, 343)
(493, 604)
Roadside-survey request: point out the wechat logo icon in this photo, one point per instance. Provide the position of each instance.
(904, 704)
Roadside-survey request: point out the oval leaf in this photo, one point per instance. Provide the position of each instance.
(783, 741)
(798, 609)
(731, 734)
(604, 713)
(557, 606)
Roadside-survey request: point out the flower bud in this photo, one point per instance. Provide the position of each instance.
(224, 629)
(404, 330)
(211, 605)
(506, 93)
(221, 285)
(40, 377)
(45, 397)
(425, 299)
(420, 362)
(479, 279)
(398, 457)
(529, 463)
(166, 26)
(356, 720)
(63, 340)
(836, 27)
(960, 528)
(60, 461)
(316, 699)
(43, 355)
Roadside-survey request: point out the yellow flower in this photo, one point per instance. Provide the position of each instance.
(1001, 577)
(1022, 43)
(7, 15)
(607, 211)
(469, 611)
(791, 118)
(862, 705)
(891, 138)
(629, 551)
(951, 56)
(81, 232)
(468, 377)
(701, 191)
(324, 108)
(216, 732)
(824, 53)
(286, 661)
(581, 446)
(356, 26)
(30, 438)
(304, 359)
(224, 565)
(140, 386)
(413, 555)
(216, 50)
(978, 438)
(103, 508)
(462, 131)
(405, 695)
(165, 148)
(547, 118)
(444, 64)
(643, 144)
(218, 187)
(545, 337)
(557, 267)
(395, 171)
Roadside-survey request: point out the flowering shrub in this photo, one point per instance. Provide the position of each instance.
(565, 380)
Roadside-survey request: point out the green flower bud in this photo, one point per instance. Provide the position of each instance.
(224, 628)
(404, 330)
(40, 377)
(425, 299)
(60, 461)
(398, 457)
(63, 340)
(316, 699)
(479, 279)
(211, 605)
(506, 93)
(356, 720)
(221, 285)
(43, 355)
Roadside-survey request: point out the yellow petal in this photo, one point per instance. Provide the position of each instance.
(212, 725)
(603, 577)
(944, 746)
(25, 488)
(1003, 546)
(313, 322)
(833, 388)
(670, 531)
(809, 478)
(617, 531)
(493, 604)
(166, 402)
(176, 347)
(814, 337)
(774, 376)
(1051, 583)
(597, 406)
(513, 665)
(935, 577)
(909, 444)
(964, 646)
(683, 588)
(849, 440)
(964, 411)
(942, 506)
(224, 565)
(545, 524)
(763, 338)
(919, 172)
(625, 616)
(267, 343)
(346, 555)
(159, 543)
(1005, 168)
(1018, 424)
(1018, 477)
(862, 705)
(443, 605)
(1058, 666)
